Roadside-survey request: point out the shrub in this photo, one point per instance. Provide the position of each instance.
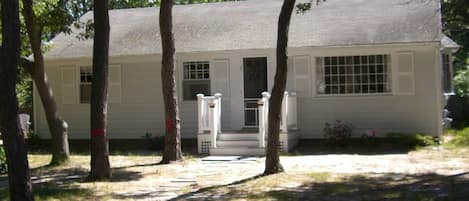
(338, 133)
(369, 137)
(154, 143)
(412, 140)
(35, 142)
(3, 161)
(460, 138)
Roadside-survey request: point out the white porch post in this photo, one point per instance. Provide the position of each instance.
(218, 110)
(213, 122)
(200, 109)
(284, 120)
(263, 118)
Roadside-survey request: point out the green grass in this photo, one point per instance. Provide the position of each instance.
(320, 176)
(55, 193)
(459, 138)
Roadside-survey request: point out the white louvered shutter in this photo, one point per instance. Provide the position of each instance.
(405, 73)
(302, 74)
(220, 77)
(290, 75)
(68, 85)
(115, 84)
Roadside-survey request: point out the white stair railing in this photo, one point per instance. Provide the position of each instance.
(209, 115)
(263, 105)
(289, 112)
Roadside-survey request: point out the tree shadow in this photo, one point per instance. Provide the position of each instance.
(390, 187)
(379, 146)
(53, 192)
(211, 188)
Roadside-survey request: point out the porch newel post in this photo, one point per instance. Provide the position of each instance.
(213, 122)
(200, 112)
(218, 110)
(260, 104)
(284, 120)
(263, 118)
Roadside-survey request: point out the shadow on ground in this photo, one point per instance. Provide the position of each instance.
(389, 187)
(55, 192)
(378, 146)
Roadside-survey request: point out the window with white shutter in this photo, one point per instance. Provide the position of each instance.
(68, 85)
(302, 75)
(115, 86)
(447, 79)
(220, 77)
(196, 79)
(86, 78)
(405, 73)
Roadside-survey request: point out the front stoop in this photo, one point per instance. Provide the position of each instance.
(242, 143)
(237, 151)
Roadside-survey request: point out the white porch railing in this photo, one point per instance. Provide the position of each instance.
(209, 115)
(263, 118)
(289, 112)
(288, 117)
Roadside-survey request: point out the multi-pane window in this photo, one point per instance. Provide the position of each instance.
(86, 77)
(447, 74)
(196, 79)
(368, 74)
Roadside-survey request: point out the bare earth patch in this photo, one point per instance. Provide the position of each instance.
(430, 174)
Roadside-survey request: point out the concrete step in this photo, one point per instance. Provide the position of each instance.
(237, 151)
(237, 143)
(238, 136)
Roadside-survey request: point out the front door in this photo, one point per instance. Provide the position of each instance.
(255, 82)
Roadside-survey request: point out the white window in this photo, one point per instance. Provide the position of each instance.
(447, 74)
(368, 74)
(86, 77)
(196, 79)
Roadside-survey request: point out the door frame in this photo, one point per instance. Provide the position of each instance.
(267, 57)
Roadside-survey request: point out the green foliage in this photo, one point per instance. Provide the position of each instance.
(24, 90)
(35, 142)
(338, 133)
(3, 160)
(154, 143)
(461, 83)
(412, 140)
(456, 26)
(459, 138)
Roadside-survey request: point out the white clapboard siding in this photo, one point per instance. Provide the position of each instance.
(405, 73)
(302, 68)
(115, 84)
(68, 85)
(220, 78)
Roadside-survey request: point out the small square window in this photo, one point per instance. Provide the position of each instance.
(196, 79)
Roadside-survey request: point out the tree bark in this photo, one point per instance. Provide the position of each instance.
(57, 126)
(272, 162)
(19, 179)
(100, 166)
(172, 148)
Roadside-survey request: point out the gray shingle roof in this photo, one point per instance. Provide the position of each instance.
(447, 42)
(252, 25)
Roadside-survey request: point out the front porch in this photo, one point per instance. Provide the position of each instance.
(249, 141)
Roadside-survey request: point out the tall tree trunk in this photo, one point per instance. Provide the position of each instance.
(57, 126)
(100, 167)
(19, 179)
(172, 148)
(272, 162)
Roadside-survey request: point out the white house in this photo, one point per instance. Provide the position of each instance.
(381, 64)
